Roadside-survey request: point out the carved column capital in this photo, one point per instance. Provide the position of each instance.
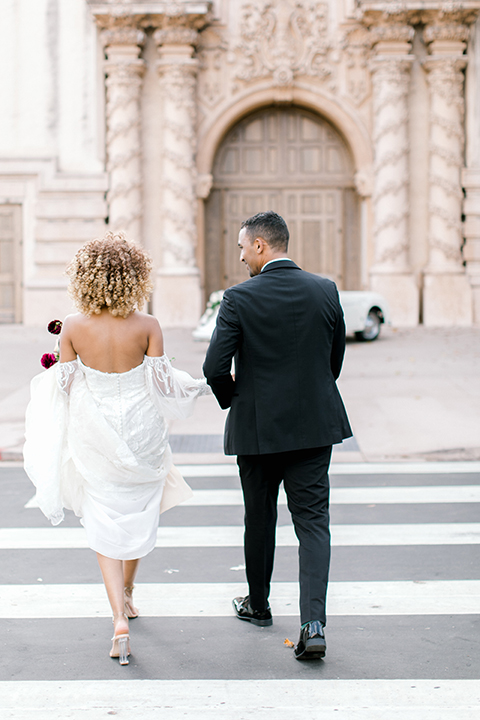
(394, 38)
(174, 34)
(446, 38)
(121, 36)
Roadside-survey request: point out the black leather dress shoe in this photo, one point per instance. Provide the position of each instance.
(312, 644)
(244, 611)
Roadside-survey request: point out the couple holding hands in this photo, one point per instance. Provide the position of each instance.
(97, 422)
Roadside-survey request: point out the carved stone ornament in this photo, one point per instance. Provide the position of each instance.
(211, 53)
(447, 31)
(355, 44)
(177, 74)
(392, 33)
(283, 39)
(176, 35)
(122, 35)
(204, 185)
(391, 77)
(445, 80)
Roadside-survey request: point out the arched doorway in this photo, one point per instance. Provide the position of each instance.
(294, 162)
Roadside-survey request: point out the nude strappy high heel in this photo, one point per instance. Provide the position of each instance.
(120, 644)
(130, 609)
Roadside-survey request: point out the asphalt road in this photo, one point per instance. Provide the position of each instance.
(403, 632)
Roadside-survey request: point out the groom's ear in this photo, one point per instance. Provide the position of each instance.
(259, 245)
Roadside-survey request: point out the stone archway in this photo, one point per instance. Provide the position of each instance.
(294, 162)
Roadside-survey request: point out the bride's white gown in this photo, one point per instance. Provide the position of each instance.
(97, 444)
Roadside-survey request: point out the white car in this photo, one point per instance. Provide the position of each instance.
(364, 314)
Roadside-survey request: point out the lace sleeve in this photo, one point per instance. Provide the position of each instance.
(65, 375)
(173, 391)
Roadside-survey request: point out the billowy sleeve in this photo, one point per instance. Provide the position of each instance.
(173, 391)
(45, 433)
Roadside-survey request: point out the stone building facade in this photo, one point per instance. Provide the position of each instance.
(357, 120)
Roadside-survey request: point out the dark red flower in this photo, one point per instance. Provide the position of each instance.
(55, 327)
(48, 359)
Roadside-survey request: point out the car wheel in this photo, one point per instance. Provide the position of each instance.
(372, 327)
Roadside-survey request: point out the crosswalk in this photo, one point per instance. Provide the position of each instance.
(403, 608)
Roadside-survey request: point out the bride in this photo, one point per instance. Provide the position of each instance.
(96, 426)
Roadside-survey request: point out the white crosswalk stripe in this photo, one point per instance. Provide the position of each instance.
(454, 597)
(347, 496)
(232, 536)
(259, 699)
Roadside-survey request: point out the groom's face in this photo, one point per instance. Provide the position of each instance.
(250, 252)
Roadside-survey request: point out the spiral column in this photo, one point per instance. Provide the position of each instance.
(124, 70)
(391, 274)
(178, 76)
(447, 291)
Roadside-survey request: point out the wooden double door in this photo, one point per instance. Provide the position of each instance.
(293, 162)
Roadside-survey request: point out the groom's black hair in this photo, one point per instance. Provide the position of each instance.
(269, 226)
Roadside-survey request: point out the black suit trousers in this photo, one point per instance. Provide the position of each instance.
(305, 478)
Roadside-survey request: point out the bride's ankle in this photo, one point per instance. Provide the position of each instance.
(120, 622)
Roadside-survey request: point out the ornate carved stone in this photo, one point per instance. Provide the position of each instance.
(391, 77)
(445, 80)
(283, 39)
(124, 72)
(355, 44)
(445, 275)
(391, 272)
(471, 231)
(204, 185)
(178, 70)
(211, 54)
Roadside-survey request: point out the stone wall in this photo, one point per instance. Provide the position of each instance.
(119, 107)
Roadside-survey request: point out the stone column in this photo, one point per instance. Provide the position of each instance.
(391, 273)
(178, 295)
(447, 298)
(124, 70)
(471, 232)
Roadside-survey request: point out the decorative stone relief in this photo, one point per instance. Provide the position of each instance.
(445, 80)
(355, 45)
(178, 72)
(390, 81)
(124, 72)
(282, 39)
(211, 54)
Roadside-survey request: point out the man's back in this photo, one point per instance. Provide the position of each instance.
(288, 330)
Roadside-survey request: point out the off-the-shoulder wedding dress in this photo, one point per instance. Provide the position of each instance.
(97, 444)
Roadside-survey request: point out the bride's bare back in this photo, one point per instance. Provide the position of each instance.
(110, 343)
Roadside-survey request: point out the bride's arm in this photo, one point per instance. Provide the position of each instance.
(155, 338)
(67, 351)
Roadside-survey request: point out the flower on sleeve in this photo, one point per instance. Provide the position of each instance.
(48, 359)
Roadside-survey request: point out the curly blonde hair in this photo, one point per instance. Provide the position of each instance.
(111, 273)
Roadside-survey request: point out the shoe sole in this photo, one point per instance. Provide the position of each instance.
(313, 651)
(260, 623)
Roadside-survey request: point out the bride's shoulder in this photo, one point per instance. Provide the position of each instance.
(148, 321)
(72, 320)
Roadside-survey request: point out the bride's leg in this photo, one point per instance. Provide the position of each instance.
(112, 573)
(130, 568)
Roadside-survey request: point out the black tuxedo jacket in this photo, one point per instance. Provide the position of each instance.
(285, 329)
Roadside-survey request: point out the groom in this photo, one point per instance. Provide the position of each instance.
(285, 329)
